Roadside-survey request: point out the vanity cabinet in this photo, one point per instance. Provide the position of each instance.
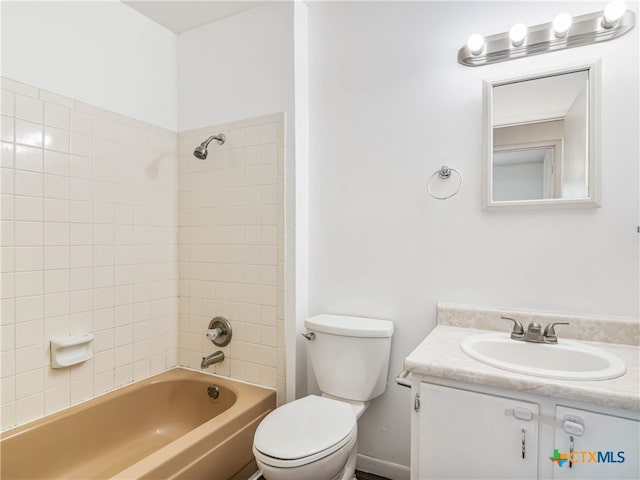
(465, 433)
(461, 430)
(607, 449)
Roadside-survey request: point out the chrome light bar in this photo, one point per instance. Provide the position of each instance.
(543, 38)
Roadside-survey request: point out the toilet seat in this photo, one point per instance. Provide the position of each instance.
(304, 431)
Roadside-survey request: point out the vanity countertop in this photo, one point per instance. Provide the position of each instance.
(439, 355)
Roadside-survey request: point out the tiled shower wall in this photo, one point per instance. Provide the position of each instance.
(231, 238)
(89, 223)
(89, 244)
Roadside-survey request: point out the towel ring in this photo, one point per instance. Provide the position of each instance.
(444, 173)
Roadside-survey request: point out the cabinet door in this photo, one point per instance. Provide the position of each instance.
(608, 449)
(468, 435)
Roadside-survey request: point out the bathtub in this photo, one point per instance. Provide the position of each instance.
(163, 427)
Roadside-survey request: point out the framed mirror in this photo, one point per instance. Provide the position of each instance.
(540, 134)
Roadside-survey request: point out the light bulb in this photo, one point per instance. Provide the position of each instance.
(561, 24)
(613, 12)
(475, 44)
(517, 34)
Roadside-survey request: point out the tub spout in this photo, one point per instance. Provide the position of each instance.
(215, 357)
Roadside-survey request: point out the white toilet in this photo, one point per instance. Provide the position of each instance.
(316, 438)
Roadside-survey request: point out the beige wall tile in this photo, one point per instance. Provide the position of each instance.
(89, 246)
(228, 248)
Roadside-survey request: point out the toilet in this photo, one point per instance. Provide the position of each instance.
(316, 437)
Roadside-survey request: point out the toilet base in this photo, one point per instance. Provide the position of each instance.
(350, 468)
(319, 469)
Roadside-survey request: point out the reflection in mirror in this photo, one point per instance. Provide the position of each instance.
(541, 140)
(525, 174)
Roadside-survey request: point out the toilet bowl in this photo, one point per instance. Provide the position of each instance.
(316, 437)
(312, 438)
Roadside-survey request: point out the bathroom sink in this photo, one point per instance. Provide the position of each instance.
(566, 360)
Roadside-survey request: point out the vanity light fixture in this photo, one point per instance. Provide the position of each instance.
(475, 44)
(561, 25)
(563, 32)
(612, 13)
(517, 34)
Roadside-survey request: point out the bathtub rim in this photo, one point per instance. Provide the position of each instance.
(24, 427)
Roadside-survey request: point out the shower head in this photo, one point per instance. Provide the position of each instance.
(201, 150)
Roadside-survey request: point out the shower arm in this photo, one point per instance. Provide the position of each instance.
(220, 138)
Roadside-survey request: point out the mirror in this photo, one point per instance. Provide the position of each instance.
(540, 140)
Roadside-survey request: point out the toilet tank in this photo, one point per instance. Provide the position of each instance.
(350, 355)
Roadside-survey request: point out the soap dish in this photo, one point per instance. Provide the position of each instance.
(71, 350)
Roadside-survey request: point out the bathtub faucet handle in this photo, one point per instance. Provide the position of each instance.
(214, 333)
(219, 331)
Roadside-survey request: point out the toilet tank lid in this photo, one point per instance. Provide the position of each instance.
(347, 326)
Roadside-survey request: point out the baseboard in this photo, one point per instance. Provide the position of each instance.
(393, 471)
(247, 472)
(256, 475)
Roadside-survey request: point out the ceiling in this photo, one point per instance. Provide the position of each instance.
(180, 16)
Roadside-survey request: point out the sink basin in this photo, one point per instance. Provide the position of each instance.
(566, 360)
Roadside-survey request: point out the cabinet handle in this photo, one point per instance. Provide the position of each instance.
(524, 442)
(570, 451)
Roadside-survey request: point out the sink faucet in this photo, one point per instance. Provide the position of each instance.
(215, 357)
(534, 332)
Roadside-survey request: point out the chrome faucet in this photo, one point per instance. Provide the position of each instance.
(549, 334)
(534, 332)
(215, 357)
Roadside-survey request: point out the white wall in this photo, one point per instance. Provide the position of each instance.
(297, 181)
(241, 67)
(102, 53)
(238, 67)
(389, 104)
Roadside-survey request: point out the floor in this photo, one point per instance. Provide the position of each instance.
(368, 476)
(359, 476)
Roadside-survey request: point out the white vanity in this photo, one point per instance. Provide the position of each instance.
(471, 420)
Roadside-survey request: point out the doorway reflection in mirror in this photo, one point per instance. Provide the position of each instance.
(539, 137)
